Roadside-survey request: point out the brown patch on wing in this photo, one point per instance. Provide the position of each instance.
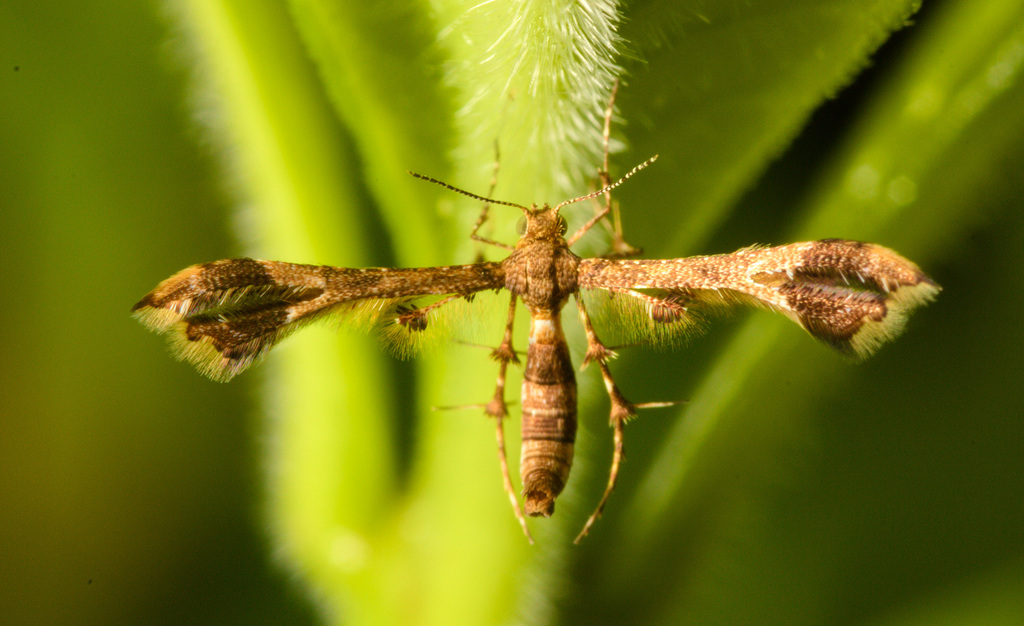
(852, 295)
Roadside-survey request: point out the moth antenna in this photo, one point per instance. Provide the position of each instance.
(603, 190)
(473, 195)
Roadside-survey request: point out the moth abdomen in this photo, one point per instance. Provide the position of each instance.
(549, 415)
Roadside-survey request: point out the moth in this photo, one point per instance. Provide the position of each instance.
(854, 296)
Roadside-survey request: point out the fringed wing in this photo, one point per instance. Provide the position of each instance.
(853, 296)
(223, 316)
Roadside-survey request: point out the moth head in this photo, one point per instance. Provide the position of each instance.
(542, 223)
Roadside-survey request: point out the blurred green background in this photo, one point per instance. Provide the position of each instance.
(137, 138)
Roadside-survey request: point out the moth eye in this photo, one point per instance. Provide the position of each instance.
(563, 226)
(521, 226)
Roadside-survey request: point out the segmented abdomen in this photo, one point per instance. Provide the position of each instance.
(549, 414)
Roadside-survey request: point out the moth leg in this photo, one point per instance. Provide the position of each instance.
(487, 206)
(668, 309)
(621, 410)
(618, 247)
(498, 409)
(415, 318)
(503, 354)
(582, 230)
(507, 478)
